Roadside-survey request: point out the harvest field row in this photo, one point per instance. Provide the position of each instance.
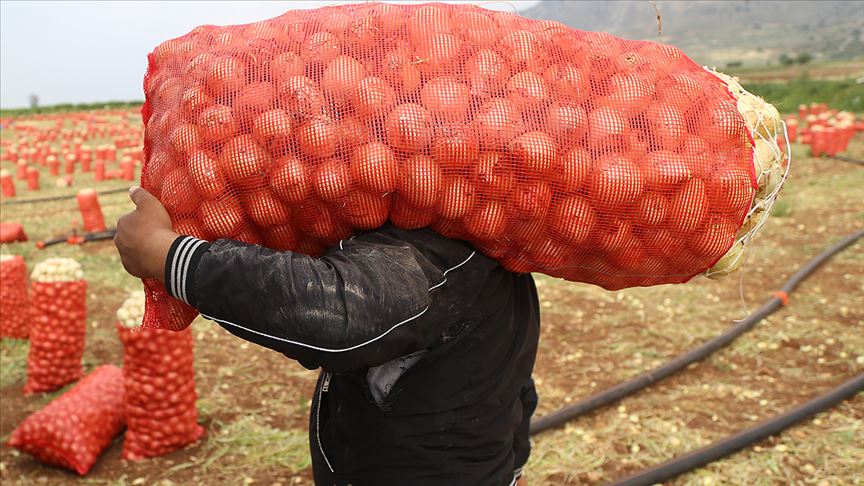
(254, 403)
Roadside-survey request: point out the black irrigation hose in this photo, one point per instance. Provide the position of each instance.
(59, 198)
(699, 353)
(733, 443)
(847, 159)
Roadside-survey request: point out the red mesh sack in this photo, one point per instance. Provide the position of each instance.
(12, 232)
(58, 325)
(74, 429)
(14, 306)
(576, 154)
(159, 375)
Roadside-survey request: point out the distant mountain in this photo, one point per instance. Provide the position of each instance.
(722, 32)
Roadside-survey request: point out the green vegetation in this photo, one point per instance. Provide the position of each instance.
(802, 58)
(13, 360)
(843, 94)
(69, 107)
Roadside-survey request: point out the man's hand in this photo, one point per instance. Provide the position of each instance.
(144, 236)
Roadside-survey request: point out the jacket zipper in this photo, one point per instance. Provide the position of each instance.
(325, 387)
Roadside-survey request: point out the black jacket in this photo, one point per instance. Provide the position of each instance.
(426, 347)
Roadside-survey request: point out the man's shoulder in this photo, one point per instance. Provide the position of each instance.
(445, 253)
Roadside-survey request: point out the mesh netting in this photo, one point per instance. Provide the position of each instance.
(576, 154)
(57, 333)
(74, 429)
(14, 305)
(161, 416)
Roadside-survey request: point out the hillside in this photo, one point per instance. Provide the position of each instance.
(723, 32)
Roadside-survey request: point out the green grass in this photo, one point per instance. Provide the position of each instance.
(247, 445)
(13, 361)
(69, 107)
(843, 94)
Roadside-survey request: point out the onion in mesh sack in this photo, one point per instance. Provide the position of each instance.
(553, 150)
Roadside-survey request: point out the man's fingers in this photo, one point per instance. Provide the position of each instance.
(140, 196)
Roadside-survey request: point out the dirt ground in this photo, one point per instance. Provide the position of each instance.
(254, 403)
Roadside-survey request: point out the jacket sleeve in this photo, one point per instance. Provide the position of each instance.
(365, 302)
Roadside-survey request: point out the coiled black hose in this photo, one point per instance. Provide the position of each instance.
(556, 419)
(736, 442)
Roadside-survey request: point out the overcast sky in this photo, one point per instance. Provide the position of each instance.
(81, 52)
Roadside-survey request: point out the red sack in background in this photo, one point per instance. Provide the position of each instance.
(12, 232)
(159, 376)
(14, 305)
(576, 154)
(74, 429)
(58, 325)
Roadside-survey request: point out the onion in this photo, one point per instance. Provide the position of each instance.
(175, 193)
(226, 76)
(252, 100)
(409, 217)
(286, 65)
(437, 54)
(497, 123)
(487, 73)
(216, 123)
(373, 98)
(373, 166)
(341, 78)
(245, 163)
(194, 101)
(272, 127)
(477, 28)
(409, 127)
(572, 170)
(420, 182)
(531, 201)
(300, 96)
(455, 146)
(688, 207)
(332, 180)
(185, 139)
(457, 198)
(352, 132)
(493, 174)
(223, 217)
(630, 93)
(571, 220)
(664, 169)
(265, 209)
(534, 153)
(206, 175)
(651, 209)
(527, 90)
(290, 180)
(667, 126)
(568, 82)
(488, 222)
(318, 137)
(446, 98)
(567, 123)
(606, 128)
(282, 237)
(365, 210)
(616, 181)
(320, 48)
(523, 49)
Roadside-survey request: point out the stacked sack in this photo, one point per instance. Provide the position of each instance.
(575, 154)
(74, 429)
(14, 305)
(58, 325)
(159, 377)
